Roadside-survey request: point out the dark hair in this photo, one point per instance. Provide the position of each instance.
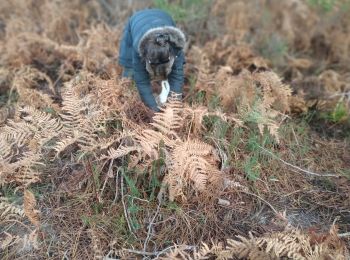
(158, 51)
(158, 56)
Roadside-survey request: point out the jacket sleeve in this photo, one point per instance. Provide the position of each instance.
(125, 48)
(142, 81)
(176, 76)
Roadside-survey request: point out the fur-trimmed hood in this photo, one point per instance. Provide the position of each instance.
(177, 38)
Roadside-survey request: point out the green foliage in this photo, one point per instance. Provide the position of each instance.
(96, 176)
(251, 168)
(274, 48)
(97, 207)
(339, 113)
(183, 10)
(199, 97)
(236, 138)
(132, 185)
(214, 102)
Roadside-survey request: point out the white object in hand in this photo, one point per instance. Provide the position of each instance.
(163, 96)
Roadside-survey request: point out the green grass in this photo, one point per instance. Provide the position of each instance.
(183, 10)
(339, 114)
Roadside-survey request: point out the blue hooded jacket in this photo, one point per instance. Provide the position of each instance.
(140, 26)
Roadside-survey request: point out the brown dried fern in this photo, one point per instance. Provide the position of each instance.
(289, 244)
(22, 141)
(29, 204)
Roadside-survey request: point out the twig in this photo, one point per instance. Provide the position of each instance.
(263, 200)
(347, 234)
(150, 228)
(295, 136)
(140, 252)
(343, 94)
(125, 210)
(296, 167)
(108, 175)
(116, 187)
(158, 253)
(171, 247)
(16, 221)
(136, 198)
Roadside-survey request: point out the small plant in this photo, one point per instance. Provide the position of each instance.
(339, 113)
(274, 48)
(252, 168)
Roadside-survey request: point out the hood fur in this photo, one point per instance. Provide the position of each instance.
(177, 38)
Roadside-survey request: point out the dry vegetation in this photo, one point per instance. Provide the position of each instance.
(254, 164)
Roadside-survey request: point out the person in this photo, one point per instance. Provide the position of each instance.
(152, 47)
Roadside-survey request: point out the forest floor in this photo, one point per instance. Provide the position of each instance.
(253, 164)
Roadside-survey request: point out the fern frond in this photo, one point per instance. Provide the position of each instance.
(25, 177)
(169, 119)
(8, 210)
(83, 119)
(45, 126)
(120, 152)
(6, 150)
(187, 165)
(64, 143)
(17, 133)
(19, 169)
(275, 92)
(199, 179)
(148, 148)
(194, 116)
(73, 106)
(44, 120)
(198, 147)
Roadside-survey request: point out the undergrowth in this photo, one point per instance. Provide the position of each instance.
(230, 172)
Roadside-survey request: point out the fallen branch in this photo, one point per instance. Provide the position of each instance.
(158, 253)
(150, 227)
(263, 200)
(347, 234)
(296, 167)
